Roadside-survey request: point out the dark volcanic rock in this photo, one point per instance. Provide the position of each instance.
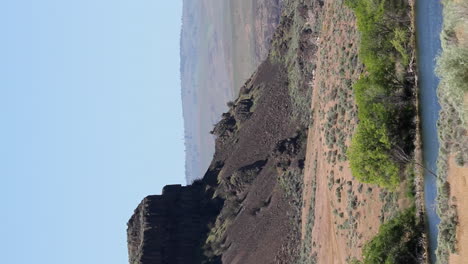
(250, 219)
(242, 109)
(172, 227)
(258, 162)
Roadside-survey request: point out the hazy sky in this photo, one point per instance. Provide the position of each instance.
(90, 123)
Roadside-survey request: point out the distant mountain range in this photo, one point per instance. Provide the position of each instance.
(222, 43)
(317, 159)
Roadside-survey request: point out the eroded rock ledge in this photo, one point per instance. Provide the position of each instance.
(172, 227)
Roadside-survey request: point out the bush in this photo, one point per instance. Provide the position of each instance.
(460, 160)
(397, 241)
(452, 67)
(383, 106)
(400, 42)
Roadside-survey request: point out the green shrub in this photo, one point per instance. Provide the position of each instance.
(460, 160)
(397, 241)
(452, 67)
(399, 42)
(384, 47)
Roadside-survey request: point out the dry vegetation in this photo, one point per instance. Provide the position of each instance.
(317, 46)
(292, 47)
(262, 151)
(453, 71)
(340, 214)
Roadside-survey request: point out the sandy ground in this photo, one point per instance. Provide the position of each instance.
(458, 177)
(340, 230)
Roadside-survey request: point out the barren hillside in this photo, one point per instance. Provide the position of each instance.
(222, 43)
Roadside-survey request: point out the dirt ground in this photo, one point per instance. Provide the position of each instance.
(458, 178)
(347, 213)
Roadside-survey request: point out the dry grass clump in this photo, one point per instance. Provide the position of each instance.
(452, 68)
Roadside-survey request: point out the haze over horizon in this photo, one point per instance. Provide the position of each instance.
(222, 43)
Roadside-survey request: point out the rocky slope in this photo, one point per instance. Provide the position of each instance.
(259, 154)
(256, 175)
(278, 207)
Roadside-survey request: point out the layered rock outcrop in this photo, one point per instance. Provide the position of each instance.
(172, 227)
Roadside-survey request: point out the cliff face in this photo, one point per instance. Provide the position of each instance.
(256, 172)
(172, 227)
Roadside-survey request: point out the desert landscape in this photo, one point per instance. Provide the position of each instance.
(320, 154)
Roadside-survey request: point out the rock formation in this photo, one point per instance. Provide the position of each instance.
(172, 227)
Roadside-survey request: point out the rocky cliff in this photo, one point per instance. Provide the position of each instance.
(256, 172)
(172, 227)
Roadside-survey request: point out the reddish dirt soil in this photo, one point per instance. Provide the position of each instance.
(342, 223)
(458, 178)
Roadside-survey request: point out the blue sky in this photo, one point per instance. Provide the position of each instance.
(90, 123)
